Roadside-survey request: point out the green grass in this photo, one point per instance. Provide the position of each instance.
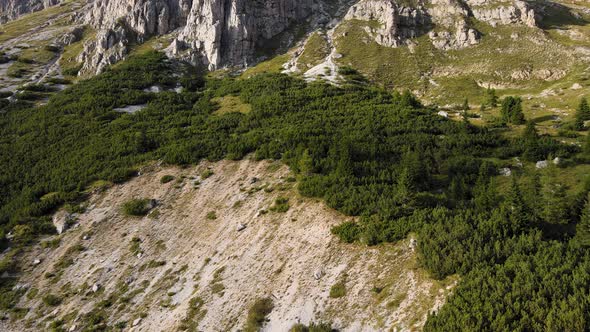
(461, 74)
(231, 104)
(316, 49)
(274, 65)
(27, 22)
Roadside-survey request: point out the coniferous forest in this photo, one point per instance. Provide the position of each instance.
(518, 245)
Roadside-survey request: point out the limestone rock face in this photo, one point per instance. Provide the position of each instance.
(227, 32)
(399, 22)
(220, 33)
(214, 33)
(12, 9)
(445, 21)
(109, 47)
(514, 12)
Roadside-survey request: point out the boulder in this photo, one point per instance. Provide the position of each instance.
(318, 274)
(136, 322)
(95, 288)
(542, 164)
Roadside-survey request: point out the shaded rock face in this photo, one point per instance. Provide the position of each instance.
(12, 9)
(227, 32)
(214, 33)
(445, 21)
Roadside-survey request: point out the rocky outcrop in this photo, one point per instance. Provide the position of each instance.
(447, 22)
(399, 22)
(13, 9)
(214, 33)
(220, 33)
(512, 12)
(109, 47)
(227, 32)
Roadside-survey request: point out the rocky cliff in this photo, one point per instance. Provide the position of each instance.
(12, 9)
(447, 22)
(219, 33)
(209, 32)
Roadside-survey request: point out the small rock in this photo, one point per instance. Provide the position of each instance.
(443, 114)
(413, 244)
(37, 261)
(541, 164)
(85, 237)
(73, 328)
(557, 161)
(318, 274)
(139, 255)
(95, 288)
(241, 227)
(136, 322)
(576, 86)
(506, 171)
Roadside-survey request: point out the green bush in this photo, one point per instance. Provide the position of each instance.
(338, 290)
(52, 300)
(313, 327)
(137, 207)
(257, 314)
(166, 178)
(281, 205)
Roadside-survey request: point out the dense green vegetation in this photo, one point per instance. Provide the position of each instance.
(519, 248)
(137, 207)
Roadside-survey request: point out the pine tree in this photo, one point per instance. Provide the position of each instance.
(405, 190)
(465, 106)
(491, 99)
(518, 212)
(534, 196)
(484, 192)
(556, 207)
(306, 163)
(344, 167)
(583, 227)
(530, 133)
(582, 114)
(512, 110)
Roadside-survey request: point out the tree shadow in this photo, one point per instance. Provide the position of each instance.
(544, 118)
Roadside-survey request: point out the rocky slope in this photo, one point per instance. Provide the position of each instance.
(210, 240)
(12, 9)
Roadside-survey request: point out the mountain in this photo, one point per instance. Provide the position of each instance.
(282, 165)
